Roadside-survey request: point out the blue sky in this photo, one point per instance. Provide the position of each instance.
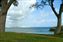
(23, 16)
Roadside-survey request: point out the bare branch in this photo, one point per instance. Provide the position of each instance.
(54, 10)
(10, 2)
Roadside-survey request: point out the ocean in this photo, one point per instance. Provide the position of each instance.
(35, 30)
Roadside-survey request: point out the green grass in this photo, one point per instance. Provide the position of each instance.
(23, 37)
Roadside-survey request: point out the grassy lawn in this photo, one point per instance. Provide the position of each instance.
(23, 37)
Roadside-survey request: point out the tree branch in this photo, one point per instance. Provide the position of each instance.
(5, 6)
(52, 7)
(61, 9)
(10, 2)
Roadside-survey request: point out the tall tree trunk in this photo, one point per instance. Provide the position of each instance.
(3, 13)
(2, 23)
(58, 29)
(3, 18)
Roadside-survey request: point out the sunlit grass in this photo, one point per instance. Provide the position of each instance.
(23, 37)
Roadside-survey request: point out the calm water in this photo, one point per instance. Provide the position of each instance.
(35, 30)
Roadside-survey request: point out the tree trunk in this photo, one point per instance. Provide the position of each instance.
(58, 29)
(3, 18)
(2, 23)
(3, 13)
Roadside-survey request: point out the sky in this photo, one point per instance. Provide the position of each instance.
(23, 16)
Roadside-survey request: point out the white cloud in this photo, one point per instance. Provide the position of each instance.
(45, 22)
(24, 18)
(32, 1)
(21, 11)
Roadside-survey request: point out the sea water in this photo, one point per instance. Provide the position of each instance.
(35, 30)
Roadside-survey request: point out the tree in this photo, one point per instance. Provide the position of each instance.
(4, 6)
(58, 15)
